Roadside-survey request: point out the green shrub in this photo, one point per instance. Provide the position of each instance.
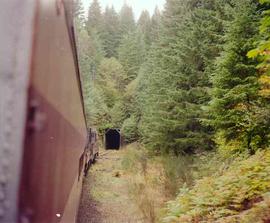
(130, 130)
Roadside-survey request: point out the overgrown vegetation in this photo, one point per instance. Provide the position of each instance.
(240, 194)
(112, 48)
(145, 182)
(153, 180)
(192, 85)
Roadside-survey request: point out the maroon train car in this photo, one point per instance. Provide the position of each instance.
(43, 136)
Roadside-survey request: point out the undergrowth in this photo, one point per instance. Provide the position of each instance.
(238, 193)
(145, 181)
(154, 180)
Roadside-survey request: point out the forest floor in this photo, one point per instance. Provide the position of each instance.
(117, 191)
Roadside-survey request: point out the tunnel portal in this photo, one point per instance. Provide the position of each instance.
(112, 139)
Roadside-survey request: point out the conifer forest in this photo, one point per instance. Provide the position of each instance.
(190, 85)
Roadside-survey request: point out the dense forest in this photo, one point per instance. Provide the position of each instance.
(189, 81)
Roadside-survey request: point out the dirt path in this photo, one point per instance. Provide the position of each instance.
(105, 196)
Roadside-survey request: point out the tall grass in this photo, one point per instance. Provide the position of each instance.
(144, 181)
(154, 180)
(177, 171)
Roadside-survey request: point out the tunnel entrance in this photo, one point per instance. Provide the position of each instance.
(112, 139)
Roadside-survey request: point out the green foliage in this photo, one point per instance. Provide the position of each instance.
(182, 83)
(240, 188)
(127, 21)
(90, 54)
(78, 12)
(193, 81)
(132, 54)
(144, 25)
(94, 19)
(111, 74)
(131, 110)
(261, 53)
(110, 32)
(174, 82)
(129, 129)
(177, 171)
(155, 25)
(118, 113)
(135, 159)
(97, 110)
(111, 35)
(108, 90)
(235, 107)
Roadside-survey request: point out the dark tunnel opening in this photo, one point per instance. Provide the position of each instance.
(112, 139)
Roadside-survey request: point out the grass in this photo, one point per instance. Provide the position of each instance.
(154, 180)
(146, 181)
(107, 187)
(212, 188)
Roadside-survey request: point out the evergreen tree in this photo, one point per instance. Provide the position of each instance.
(132, 54)
(111, 75)
(127, 21)
(234, 108)
(174, 83)
(98, 114)
(157, 80)
(131, 109)
(94, 20)
(144, 25)
(110, 34)
(165, 99)
(110, 86)
(262, 52)
(78, 12)
(129, 129)
(90, 55)
(155, 25)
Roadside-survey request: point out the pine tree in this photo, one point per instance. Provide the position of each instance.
(132, 54)
(78, 12)
(110, 86)
(174, 83)
(90, 55)
(144, 25)
(127, 21)
(110, 34)
(132, 111)
(98, 114)
(94, 20)
(261, 52)
(157, 81)
(155, 25)
(234, 105)
(111, 74)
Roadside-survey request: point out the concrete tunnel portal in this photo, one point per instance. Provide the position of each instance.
(112, 139)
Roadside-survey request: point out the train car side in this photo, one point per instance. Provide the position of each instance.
(56, 130)
(43, 134)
